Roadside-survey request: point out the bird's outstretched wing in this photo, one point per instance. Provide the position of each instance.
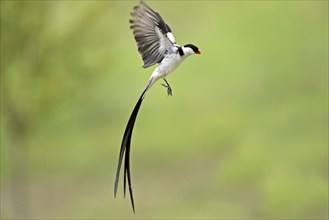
(153, 36)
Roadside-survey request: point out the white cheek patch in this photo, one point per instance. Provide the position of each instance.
(171, 37)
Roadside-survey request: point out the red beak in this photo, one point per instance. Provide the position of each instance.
(198, 52)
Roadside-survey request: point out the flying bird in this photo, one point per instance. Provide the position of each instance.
(156, 45)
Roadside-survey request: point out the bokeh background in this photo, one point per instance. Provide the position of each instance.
(245, 134)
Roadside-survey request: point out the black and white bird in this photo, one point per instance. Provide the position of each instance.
(157, 45)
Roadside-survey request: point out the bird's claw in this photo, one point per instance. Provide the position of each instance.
(169, 90)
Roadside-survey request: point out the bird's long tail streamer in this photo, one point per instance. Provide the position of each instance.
(125, 151)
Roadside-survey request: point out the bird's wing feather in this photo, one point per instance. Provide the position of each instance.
(153, 36)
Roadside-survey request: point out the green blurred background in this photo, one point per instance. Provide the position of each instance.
(244, 135)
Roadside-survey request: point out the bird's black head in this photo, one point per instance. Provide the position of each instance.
(194, 48)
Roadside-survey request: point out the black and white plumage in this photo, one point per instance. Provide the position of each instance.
(153, 36)
(157, 45)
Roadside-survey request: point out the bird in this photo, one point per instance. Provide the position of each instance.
(156, 45)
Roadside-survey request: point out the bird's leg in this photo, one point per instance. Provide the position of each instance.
(169, 90)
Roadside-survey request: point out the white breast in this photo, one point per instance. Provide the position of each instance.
(167, 65)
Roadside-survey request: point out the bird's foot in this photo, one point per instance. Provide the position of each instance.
(169, 90)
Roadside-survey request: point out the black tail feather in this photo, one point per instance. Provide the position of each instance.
(125, 151)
